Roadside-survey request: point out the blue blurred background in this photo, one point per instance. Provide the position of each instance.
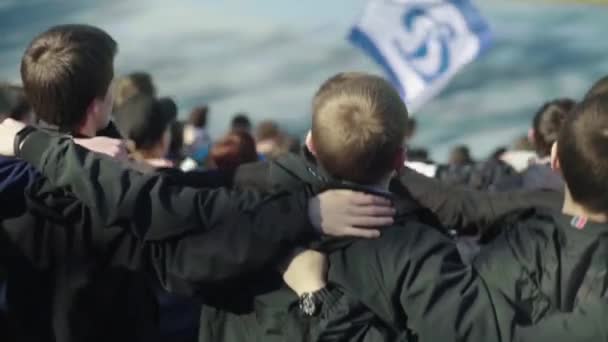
(267, 58)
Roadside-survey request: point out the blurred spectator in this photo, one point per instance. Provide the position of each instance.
(410, 132)
(523, 143)
(195, 133)
(545, 130)
(521, 153)
(498, 153)
(14, 104)
(271, 142)
(295, 144)
(415, 155)
(489, 175)
(235, 149)
(176, 146)
(547, 123)
(131, 85)
(460, 156)
(240, 122)
(420, 155)
(267, 130)
(147, 123)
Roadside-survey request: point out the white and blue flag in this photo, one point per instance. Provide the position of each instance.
(421, 44)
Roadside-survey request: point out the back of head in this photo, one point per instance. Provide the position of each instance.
(548, 122)
(133, 84)
(582, 153)
(240, 122)
(267, 130)
(358, 126)
(235, 149)
(13, 103)
(145, 120)
(64, 69)
(599, 88)
(198, 117)
(460, 155)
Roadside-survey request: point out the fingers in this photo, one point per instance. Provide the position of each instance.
(362, 233)
(371, 210)
(371, 221)
(363, 199)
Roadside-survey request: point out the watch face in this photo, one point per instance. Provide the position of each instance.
(307, 304)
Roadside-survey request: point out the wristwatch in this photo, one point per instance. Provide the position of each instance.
(310, 303)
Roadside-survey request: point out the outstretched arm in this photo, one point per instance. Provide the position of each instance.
(242, 231)
(470, 211)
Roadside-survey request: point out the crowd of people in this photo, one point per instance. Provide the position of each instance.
(119, 222)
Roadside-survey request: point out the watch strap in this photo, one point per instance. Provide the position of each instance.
(310, 303)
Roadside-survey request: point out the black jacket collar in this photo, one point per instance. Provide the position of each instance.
(304, 166)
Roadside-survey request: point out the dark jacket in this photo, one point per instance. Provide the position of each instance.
(264, 310)
(489, 175)
(15, 176)
(537, 271)
(472, 211)
(90, 255)
(153, 208)
(460, 208)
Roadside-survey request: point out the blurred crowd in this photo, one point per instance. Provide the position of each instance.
(119, 221)
(159, 137)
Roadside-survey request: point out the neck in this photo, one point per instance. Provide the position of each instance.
(573, 208)
(153, 153)
(382, 185)
(87, 129)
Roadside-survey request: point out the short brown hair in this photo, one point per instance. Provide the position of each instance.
(582, 150)
(358, 126)
(267, 130)
(64, 69)
(133, 84)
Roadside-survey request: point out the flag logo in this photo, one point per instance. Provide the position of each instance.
(421, 44)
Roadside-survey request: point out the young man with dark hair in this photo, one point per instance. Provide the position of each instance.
(146, 122)
(84, 252)
(66, 73)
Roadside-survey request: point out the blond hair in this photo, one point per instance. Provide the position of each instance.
(358, 127)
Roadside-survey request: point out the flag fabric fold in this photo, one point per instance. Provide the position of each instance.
(421, 44)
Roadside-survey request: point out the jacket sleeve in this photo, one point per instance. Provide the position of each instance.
(196, 235)
(469, 211)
